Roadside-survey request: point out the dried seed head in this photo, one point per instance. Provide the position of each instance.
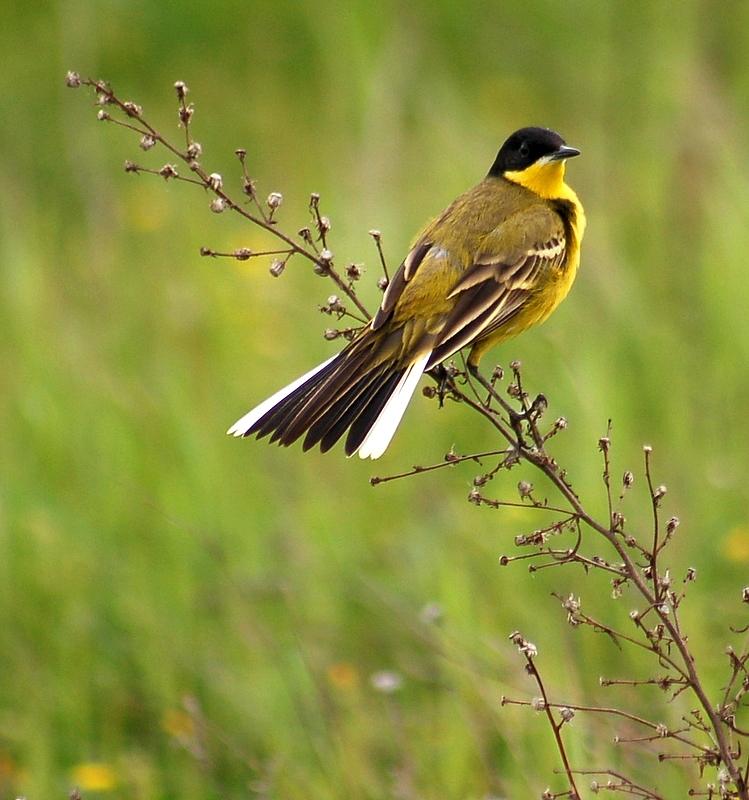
(745, 595)
(330, 334)
(72, 80)
(376, 235)
(567, 714)
(661, 730)
(242, 253)
(498, 373)
(130, 167)
(628, 479)
(646, 448)
(528, 649)
(185, 114)
(540, 404)
(538, 704)
(241, 153)
(324, 224)
(536, 538)
(665, 580)
(277, 267)
(132, 109)
(314, 199)
(274, 200)
(326, 256)
(215, 181)
(474, 496)
(515, 366)
(604, 443)
(334, 305)
(382, 284)
(181, 90)
(102, 115)
(206, 251)
(571, 604)
(218, 205)
(659, 492)
(634, 615)
(147, 141)
(387, 681)
(429, 391)
(594, 787)
(691, 575)
(194, 151)
(672, 525)
(525, 489)
(354, 271)
(168, 171)
(561, 423)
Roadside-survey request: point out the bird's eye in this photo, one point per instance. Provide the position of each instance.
(524, 150)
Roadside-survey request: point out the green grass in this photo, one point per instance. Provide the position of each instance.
(146, 558)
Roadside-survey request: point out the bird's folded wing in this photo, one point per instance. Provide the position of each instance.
(498, 285)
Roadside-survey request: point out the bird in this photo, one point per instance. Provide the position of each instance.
(497, 261)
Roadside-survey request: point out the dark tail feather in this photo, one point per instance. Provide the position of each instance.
(344, 393)
(337, 419)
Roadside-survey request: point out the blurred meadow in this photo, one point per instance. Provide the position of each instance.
(184, 615)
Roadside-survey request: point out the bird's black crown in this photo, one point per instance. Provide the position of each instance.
(524, 148)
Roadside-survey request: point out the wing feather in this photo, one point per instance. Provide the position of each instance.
(491, 292)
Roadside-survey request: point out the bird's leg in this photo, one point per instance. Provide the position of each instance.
(441, 376)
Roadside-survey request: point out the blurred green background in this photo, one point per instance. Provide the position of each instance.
(184, 615)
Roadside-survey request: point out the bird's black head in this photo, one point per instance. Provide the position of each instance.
(528, 146)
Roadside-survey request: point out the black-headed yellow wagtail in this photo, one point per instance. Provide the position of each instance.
(495, 262)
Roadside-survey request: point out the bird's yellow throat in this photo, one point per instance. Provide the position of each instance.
(545, 179)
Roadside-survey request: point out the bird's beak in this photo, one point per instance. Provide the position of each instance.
(564, 152)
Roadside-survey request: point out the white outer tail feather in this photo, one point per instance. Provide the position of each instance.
(383, 430)
(241, 426)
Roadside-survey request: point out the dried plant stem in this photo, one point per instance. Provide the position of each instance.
(108, 97)
(537, 457)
